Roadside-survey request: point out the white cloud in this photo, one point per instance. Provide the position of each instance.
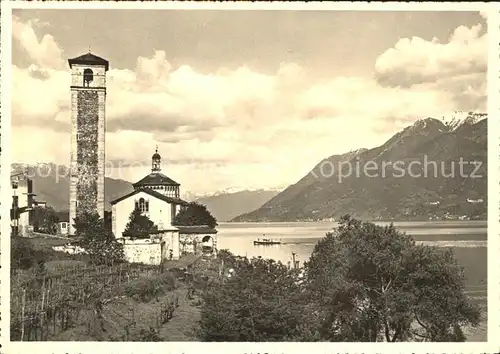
(241, 127)
(44, 52)
(415, 60)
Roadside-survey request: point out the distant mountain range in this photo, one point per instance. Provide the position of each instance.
(319, 195)
(226, 206)
(325, 194)
(51, 184)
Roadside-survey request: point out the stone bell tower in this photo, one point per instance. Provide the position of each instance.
(88, 113)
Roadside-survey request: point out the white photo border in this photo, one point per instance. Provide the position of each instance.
(493, 328)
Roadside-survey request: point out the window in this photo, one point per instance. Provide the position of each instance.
(143, 205)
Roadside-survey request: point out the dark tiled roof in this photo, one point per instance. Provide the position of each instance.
(89, 59)
(203, 229)
(151, 193)
(146, 234)
(156, 179)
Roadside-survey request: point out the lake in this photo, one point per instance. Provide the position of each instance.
(468, 239)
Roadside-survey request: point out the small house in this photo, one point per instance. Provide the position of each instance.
(63, 227)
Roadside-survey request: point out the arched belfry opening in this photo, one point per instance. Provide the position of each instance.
(88, 77)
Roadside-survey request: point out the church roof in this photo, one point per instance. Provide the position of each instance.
(89, 59)
(156, 179)
(152, 193)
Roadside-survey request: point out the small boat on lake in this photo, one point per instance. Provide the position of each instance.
(266, 242)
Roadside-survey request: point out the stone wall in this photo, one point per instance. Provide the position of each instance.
(143, 252)
(87, 154)
(193, 243)
(153, 249)
(88, 110)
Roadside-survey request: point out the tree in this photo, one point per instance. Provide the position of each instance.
(97, 239)
(45, 219)
(373, 283)
(22, 253)
(139, 224)
(261, 301)
(195, 214)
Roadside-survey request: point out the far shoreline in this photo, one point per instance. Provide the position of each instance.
(464, 222)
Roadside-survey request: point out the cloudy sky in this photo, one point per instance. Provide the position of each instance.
(242, 99)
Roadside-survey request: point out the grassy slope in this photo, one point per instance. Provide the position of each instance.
(118, 313)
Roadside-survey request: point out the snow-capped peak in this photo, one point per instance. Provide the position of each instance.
(192, 196)
(458, 118)
(227, 190)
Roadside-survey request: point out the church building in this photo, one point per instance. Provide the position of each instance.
(156, 195)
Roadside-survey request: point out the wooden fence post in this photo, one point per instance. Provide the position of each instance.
(22, 314)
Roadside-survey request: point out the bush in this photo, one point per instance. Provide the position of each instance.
(59, 266)
(22, 254)
(150, 335)
(259, 303)
(145, 289)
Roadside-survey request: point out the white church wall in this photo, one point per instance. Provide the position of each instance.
(160, 212)
(171, 239)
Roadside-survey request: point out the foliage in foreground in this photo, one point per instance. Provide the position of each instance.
(145, 289)
(22, 254)
(256, 304)
(97, 239)
(363, 283)
(373, 283)
(45, 219)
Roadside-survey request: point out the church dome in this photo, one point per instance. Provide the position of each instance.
(156, 155)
